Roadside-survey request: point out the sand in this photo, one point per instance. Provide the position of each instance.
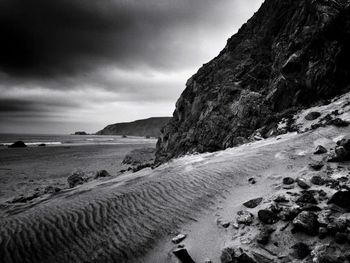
(132, 218)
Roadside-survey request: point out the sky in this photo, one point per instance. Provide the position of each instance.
(69, 65)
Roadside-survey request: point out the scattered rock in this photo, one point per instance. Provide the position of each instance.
(253, 202)
(102, 173)
(288, 180)
(267, 217)
(178, 238)
(244, 217)
(317, 180)
(307, 223)
(341, 199)
(320, 150)
(312, 116)
(18, 144)
(75, 179)
(300, 250)
(183, 256)
(302, 183)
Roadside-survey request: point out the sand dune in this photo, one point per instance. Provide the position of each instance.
(121, 219)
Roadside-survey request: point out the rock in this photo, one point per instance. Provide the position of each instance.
(302, 183)
(317, 180)
(289, 213)
(320, 150)
(50, 189)
(264, 236)
(345, 142)
(281, 199)
(341, 199)
(75, 179)
(322, 232)
(300, 250)
(102, 173)
(207, 260)
(326, 253)
(338, 122)
(271, 66)
(307, 223)
(340, 238)
(253, 202)
(306, 198)
(41, 145)
(288, 180)
(18, 144)
(252, 180)
(340, 154)
(260, 258)
(235, 255)
(178, 238)
(316, 165)
(140, 156)
(267, 216)
(312, 116)
(312, 208)
(183, 256)
(244, 217)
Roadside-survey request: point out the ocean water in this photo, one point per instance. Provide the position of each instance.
(57, 140)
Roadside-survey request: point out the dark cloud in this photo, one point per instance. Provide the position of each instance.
(47, 38)
(106, 61)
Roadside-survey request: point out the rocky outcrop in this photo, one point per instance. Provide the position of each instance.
(147, 128)
(289, 55)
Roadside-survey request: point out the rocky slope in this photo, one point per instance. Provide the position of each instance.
(147, 127)
(289, 55)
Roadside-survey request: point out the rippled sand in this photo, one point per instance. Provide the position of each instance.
(122, 219)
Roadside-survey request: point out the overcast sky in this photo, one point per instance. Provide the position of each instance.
(68, 65)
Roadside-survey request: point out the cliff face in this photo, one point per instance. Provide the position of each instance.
(147, 127)
(290, 54)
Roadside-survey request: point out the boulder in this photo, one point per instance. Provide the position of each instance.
(306, 198)
(302, 183)
(235, 255)
(316, 165)
(289, 213)
(326, 253)
(264, 236)
(75, 179)
(307, 223)
(182, 255)
(244, 217)
(178, 238)
(320, 150)
(288, 180)
(312, 116)
(102, 173)
(18, 144)
(300, 250)
(317, 180)
(253, 202)
(267, 217)
(341, 199)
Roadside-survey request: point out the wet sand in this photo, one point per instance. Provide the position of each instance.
(24, 169)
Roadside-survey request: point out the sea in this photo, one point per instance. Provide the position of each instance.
(64, 140)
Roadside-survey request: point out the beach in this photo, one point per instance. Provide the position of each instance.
(26, 170)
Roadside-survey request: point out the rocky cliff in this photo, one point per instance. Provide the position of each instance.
(147, 127)
(289, 55)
